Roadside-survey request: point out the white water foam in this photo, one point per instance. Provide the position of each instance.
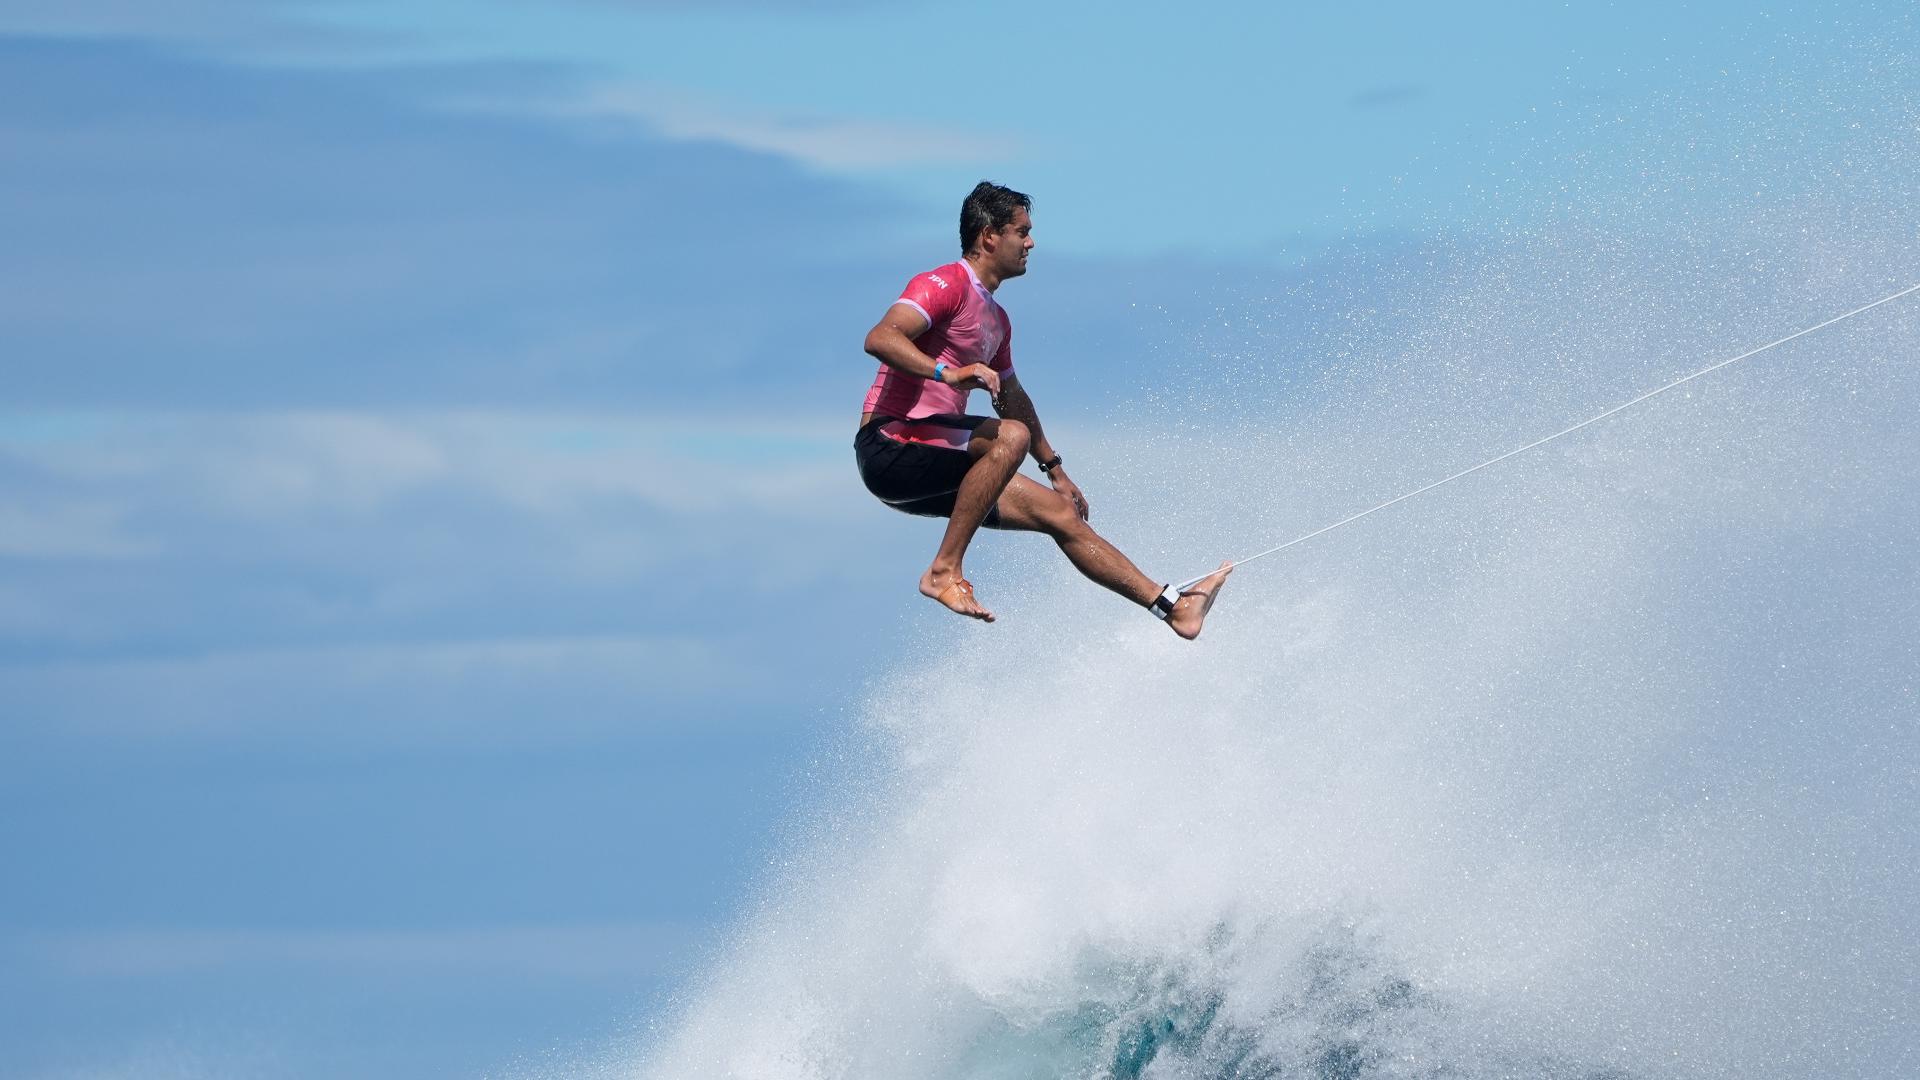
(1600, 764)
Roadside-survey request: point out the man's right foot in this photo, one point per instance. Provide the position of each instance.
(956, 593)
(1191, 612)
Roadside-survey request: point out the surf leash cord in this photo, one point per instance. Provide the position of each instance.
(1191, 582)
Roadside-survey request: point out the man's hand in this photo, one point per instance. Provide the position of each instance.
(1072, 491)
(975, 377)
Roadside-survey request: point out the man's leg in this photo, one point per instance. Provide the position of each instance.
(997, 448)
(1031, 507)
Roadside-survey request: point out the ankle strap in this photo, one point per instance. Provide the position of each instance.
(1162, 606)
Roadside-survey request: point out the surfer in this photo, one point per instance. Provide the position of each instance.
(919, 451)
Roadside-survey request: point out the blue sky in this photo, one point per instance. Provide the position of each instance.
(431, 568)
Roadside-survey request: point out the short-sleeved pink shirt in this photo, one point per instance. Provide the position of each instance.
(965, 326)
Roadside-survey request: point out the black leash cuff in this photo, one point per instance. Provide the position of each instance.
(1162, 606)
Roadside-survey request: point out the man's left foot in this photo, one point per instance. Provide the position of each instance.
(1191, 612)
(956, 594)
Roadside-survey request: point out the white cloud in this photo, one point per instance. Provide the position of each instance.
(513, 691)
(82, 18)
(178, 1058)
(249, 31)
(260, 530)
(279, 464)
(832, 143)
(617, 951)
(66, 528)
(237, 29)
(275, 464)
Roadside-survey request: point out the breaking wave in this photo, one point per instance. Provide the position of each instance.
(1599, 764)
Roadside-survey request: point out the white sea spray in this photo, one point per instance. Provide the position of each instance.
(1602, 763)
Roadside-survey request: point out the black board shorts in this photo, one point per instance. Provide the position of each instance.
(901, 463)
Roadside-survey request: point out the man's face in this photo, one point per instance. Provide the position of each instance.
(1007, 249)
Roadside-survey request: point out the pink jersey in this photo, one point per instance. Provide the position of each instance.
(965, 326)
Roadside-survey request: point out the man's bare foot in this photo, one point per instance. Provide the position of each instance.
(1191, 611)
(955, 592)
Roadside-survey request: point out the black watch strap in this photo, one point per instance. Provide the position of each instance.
(1051, 464)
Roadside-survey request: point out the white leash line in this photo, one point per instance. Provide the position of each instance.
(1190, 582)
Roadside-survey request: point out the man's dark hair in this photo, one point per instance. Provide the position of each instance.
(990, 206)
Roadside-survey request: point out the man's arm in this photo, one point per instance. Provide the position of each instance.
(891, 342)
(1014, 404)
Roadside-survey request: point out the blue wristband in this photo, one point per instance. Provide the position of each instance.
(939, 372)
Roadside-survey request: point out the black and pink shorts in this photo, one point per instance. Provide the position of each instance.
(916, 465)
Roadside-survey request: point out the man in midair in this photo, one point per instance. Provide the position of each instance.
(921, 453)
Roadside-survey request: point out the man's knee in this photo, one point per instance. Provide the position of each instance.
(1012, 437)
(1060, 517)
